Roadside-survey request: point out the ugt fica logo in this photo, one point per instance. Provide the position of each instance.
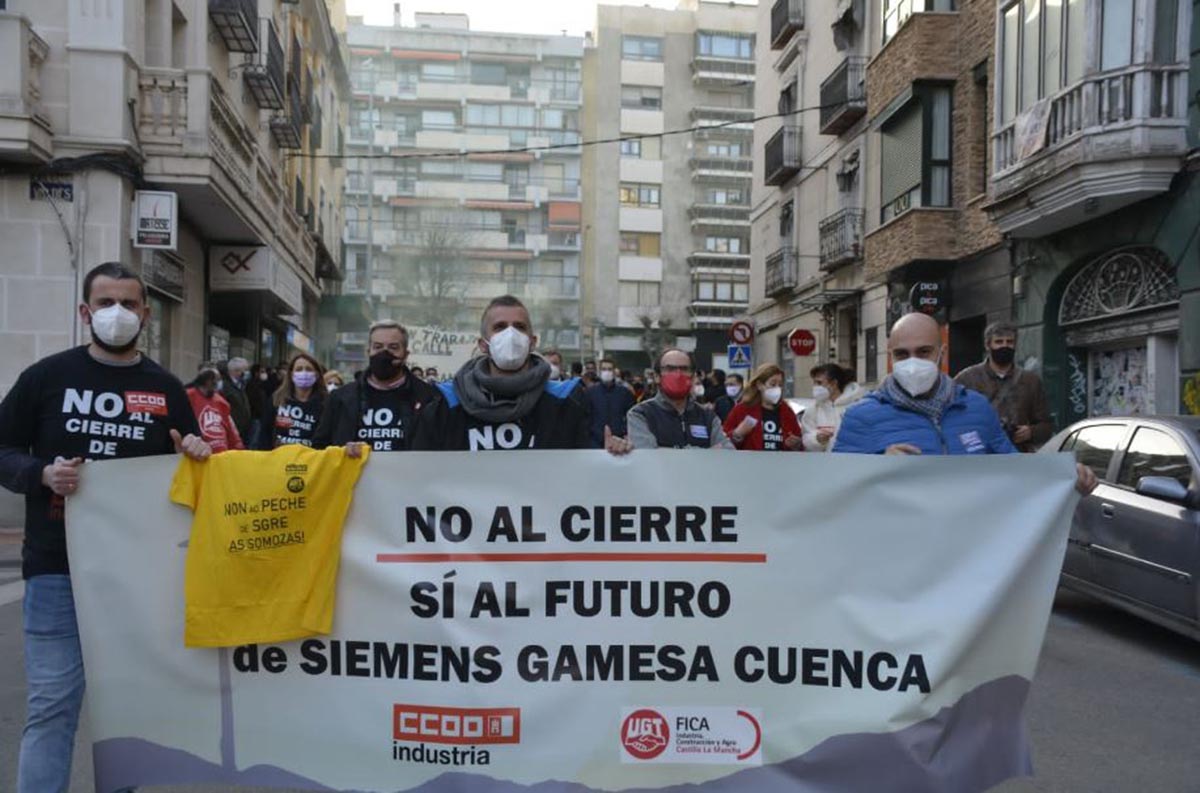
(645, 734)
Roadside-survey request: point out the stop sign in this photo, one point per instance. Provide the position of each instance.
(802, 342)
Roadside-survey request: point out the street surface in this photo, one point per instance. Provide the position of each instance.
(1115, 708)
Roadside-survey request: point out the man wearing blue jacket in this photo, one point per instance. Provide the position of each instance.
(920, 410)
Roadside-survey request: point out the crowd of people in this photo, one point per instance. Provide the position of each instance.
(106, 400)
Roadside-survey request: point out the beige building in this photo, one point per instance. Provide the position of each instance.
(464, 181)
(667, 216)
(218, 102)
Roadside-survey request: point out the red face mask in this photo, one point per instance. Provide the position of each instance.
(676, 385)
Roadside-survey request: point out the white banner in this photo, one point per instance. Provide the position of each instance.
(729, 622)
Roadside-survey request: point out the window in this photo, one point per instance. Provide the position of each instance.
(1166, 19)
(725, 244)
(1154, 453)
(489, 74)
(724, 195)
(725, 149)
(741, 292)
(1095, 446)
(785, 222)
(641, 97)
(915, 155)
(553, 119)
(641, 48)
(1116, 34)
(641, 195)
(639, 293)
(725, 45)
(438, 119)
(631, 148)
(897, 12)
(501, 116)
(872, 362)
(634, 244)
(705, 290)
(438, 72)
(1042, 50)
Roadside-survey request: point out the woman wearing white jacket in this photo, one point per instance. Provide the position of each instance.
(834, 390)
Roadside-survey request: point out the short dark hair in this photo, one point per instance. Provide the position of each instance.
(115, 270)
(735, 376)
(608, 360)
(663, 354)
(507, 301)
(838, 374)
(718, 376)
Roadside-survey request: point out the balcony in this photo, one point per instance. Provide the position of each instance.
(264, 72)
(782, 155)
(841, 238)
(783, 272)
(844, 96)
(718, 261)
(567, 241)
(787, 18)
(1102, 144)
(236, 22)
(715, 315)
(286, 126)
(731, 117)
(722, 72)
(25, 133)
(733, 218)
(721, 167)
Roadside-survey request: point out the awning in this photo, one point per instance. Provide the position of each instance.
(425, 55)
(564, 215)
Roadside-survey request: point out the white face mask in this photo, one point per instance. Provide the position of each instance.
(555, 372)
(732, 391)
(820, 393)
(771, 395)
(509, 349)
(916, 375)
(115, 325)
(607, 375)
(697, 391)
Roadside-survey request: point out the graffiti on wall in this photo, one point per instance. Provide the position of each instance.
(1077, 384)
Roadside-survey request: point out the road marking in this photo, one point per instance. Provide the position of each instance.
(11, 593)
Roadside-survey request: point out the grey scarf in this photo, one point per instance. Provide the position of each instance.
(931, 406)
(499, 399)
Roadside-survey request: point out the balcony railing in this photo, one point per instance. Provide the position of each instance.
(25, 134)
(844, 96)
(731, 167)
(712, 115)
(162, 106)
(236, 22)
(264, 73)
(841, 238)
(783, 271)
(720, 215)
(787, 17)
(1142, 93)
(286, 126)
(782, 155)
(709, 70)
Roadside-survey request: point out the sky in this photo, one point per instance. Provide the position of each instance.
(502, 16)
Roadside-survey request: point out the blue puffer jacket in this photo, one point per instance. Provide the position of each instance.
(969, 426)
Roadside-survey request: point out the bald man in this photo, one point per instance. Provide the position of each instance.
(920, 410)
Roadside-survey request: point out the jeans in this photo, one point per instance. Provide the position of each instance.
(54, 675)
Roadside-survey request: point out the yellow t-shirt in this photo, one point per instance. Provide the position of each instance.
(266, 542)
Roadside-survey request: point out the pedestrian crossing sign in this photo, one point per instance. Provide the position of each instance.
(739, 356)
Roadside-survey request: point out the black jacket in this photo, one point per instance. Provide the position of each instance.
(342, 417)
(608, 404)
(239, 408)
(559, 420)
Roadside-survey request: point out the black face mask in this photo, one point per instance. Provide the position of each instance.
(384, 367)
(1003, 356)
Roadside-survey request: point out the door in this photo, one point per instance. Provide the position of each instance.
(1144, 547)
(1094, 446)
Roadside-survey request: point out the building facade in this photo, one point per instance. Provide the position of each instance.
(218, 102)
(463, 181)
(667, 216)
(1093, 174)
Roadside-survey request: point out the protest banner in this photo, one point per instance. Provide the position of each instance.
(574, 621)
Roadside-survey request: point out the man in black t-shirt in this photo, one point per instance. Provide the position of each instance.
(100, 402)
(380, 407)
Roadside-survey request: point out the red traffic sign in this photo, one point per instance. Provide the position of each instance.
(741, 332)
(802, 342)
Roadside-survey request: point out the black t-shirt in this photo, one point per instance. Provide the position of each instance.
(772, 430)
(387, 419)
(296, 421)
(72, 405)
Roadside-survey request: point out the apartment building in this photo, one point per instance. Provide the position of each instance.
(1093, 176)
(667, 210)
(219, 102)
(810, 164)
(463, 181)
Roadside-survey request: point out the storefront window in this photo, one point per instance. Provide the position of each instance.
(155, 341)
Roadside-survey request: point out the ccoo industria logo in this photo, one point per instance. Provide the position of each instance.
(464, 730)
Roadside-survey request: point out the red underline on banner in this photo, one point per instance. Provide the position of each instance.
(424, 558)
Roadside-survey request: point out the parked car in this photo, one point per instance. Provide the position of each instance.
(1135, 541)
